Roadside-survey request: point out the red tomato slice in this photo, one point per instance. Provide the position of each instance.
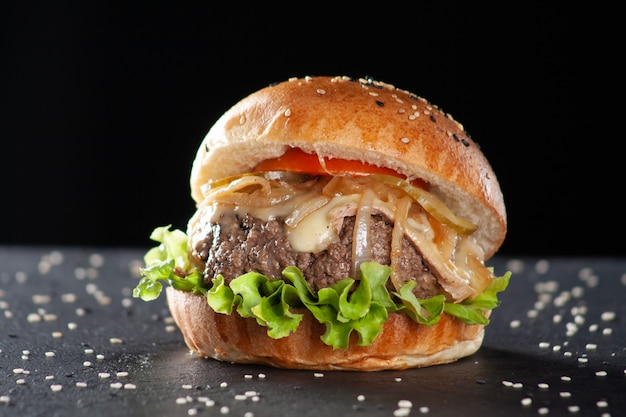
(296, 160)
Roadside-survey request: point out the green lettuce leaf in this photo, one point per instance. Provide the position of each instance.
(168, 262)
(360, 306)
(473, 311)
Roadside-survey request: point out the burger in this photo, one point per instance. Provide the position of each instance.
(340, 224)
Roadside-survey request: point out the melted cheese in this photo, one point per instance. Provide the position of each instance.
(315, 231)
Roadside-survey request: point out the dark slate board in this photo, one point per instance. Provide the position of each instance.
(74, 342)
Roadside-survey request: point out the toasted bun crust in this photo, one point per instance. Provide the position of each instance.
(403, 343)
(361, 120)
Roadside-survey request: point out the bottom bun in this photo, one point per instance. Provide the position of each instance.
(403, 343)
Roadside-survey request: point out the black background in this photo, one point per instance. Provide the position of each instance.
(103, 105)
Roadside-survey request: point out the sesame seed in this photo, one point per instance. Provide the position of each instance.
(56, 387)
(601, 373)
(96, 260)
(602, 404)
(543, 385)
(380, 103)
(321, 91)
(287, 113)
(122, 374)
(318, 375)
(21, 277)
(49, 354)
(565, 394)
(526, 401)
(57, 335)
(224, 409)
(424, 410)
(117, 385)
(608, 316)
(41, 299)
(360, 397)
(81, 384)
(33, 318)
(50, 317)
(578, 292)
(543, 410)
(20, 381)
(130, 386)
(405, 404)
(401, 412)
(115, 340)
(405, 140)
(181, 400)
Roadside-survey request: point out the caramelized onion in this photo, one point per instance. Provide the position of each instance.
(402, 211)
(304, 209)
(431, 204)
(361, 245)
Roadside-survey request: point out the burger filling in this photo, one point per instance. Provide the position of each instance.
(350, 249)
(327, 226)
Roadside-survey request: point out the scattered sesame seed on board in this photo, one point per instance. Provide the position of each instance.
(72, 332)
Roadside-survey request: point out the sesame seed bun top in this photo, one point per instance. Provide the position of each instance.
(365, 120)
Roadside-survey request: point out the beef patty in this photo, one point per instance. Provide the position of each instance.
(237, 245)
